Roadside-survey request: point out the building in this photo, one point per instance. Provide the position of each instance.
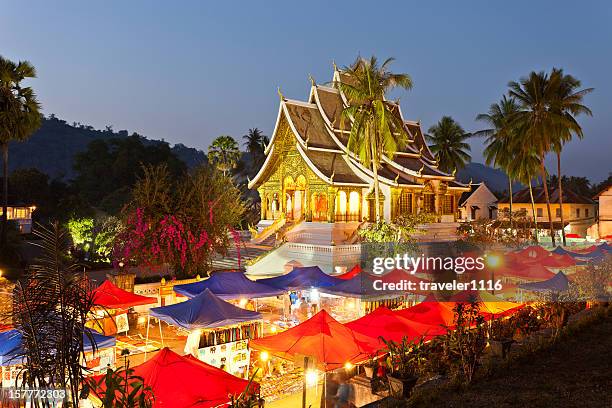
(603, 227)
(480, 203)
(579, 212)
(22, 215)
(309, 174)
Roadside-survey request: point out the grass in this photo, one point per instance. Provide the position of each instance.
(574, 372)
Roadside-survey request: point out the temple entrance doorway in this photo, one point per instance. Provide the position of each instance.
(295, 191)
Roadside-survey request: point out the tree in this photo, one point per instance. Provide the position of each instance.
(255, 142)
(376, 128)
(50, 308)
(568, 103)
(19, 118)
(499, 138)
(539, 120)
(448, 144)
(524, 167)
(224, 153)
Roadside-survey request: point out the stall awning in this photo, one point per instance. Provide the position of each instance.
(228, 286)
(430, 312)
(111, 297)
(558, 283)
(384, 323)
(330, 343)
(300, 278)
(184, 381)
(205, 311)
(355, 271)
(11, 352)
(491, 307)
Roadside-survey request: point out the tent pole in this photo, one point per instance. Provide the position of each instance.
(304, 382)
(161, 334)
(147, 338)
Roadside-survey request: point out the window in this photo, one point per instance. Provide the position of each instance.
(404, 205)
(448, 204)
(540, 212)
(474, 212)
(429, 203)
(558, 213)
(577, 212)
(586, 213)
(491, 213)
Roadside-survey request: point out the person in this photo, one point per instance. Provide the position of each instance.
(343, 395)
(303, 309)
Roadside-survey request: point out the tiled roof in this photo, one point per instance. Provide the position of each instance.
(569, 197)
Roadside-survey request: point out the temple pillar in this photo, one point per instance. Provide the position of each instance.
(395, 195)
(331, 204)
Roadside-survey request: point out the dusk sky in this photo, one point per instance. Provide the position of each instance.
(188, 71)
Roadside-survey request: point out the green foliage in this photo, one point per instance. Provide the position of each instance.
(247, 398)
(81, 231)
(224, 153)
(402, 230)
(449, 144)
(406, 358)
(108, 169)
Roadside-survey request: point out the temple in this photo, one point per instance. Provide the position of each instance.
(309, 173)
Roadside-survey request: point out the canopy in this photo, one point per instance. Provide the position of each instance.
(355, 271)
(111, 297)
(305, 277)
(430, 312)
(401, 276)
(11, 352)
(184, 381)
(327, 341)
(531, 271)
(384, 323)
(533, 252)
(360, 286)
(606, 247)
(205, 311)
(229, 285)
(558, 283)
(594, 254)
(491, 307)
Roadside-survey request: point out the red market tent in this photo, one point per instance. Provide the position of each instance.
(111, 297)
(528, 271)
(401, 276)
(430, 312)
(384, 323)
(491, 307)
(322, 338)
(532, 252)
(355, 270)
(184, 381)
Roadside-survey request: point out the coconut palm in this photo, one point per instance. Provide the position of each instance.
(499, 138)
(447, 140)
(255, 142)
(19, 117)
(224, 153)
(568, 102)
(539, 120)
(524, 166)
(376, 128)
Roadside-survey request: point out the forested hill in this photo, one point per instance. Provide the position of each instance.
(53, 147)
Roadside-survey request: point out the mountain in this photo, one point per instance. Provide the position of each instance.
(495, 179)
(53, 147)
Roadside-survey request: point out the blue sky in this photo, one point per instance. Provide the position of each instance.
(188, 71)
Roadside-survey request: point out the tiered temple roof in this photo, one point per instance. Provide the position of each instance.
(321, 138)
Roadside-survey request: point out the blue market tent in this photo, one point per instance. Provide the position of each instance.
(11, 352)
(305, 277)
(205, 311)
(228, 286)
(606, 247)
(356, 287)
(558, 283)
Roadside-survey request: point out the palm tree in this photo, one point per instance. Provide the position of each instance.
(19, 118)
(224, 153)
(524, 167)
(499, 138)
(255, 142)
(376, 128)
(568, 102)
(539, 120)
(447, 139)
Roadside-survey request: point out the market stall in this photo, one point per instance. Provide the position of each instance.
(99, 354)
(218, 332)
(556, 284)
(111, 305)
(183, 381)
(430, 311)
(229, 286)
(491, 307)
(302, 278)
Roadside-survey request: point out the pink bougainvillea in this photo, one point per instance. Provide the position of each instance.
(167, 241)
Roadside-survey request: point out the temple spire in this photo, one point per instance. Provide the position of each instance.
(312, 80)
(280, 94)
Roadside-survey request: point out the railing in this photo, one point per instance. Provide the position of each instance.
(269, 230)
(347, 217)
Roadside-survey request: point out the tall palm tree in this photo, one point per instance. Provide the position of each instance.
(376, 128)
(499, 138)
(447, 139)
(255, 142)
(224, 153)
(19, 118)
(539, 120)
(524, 166)
(568, 102)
